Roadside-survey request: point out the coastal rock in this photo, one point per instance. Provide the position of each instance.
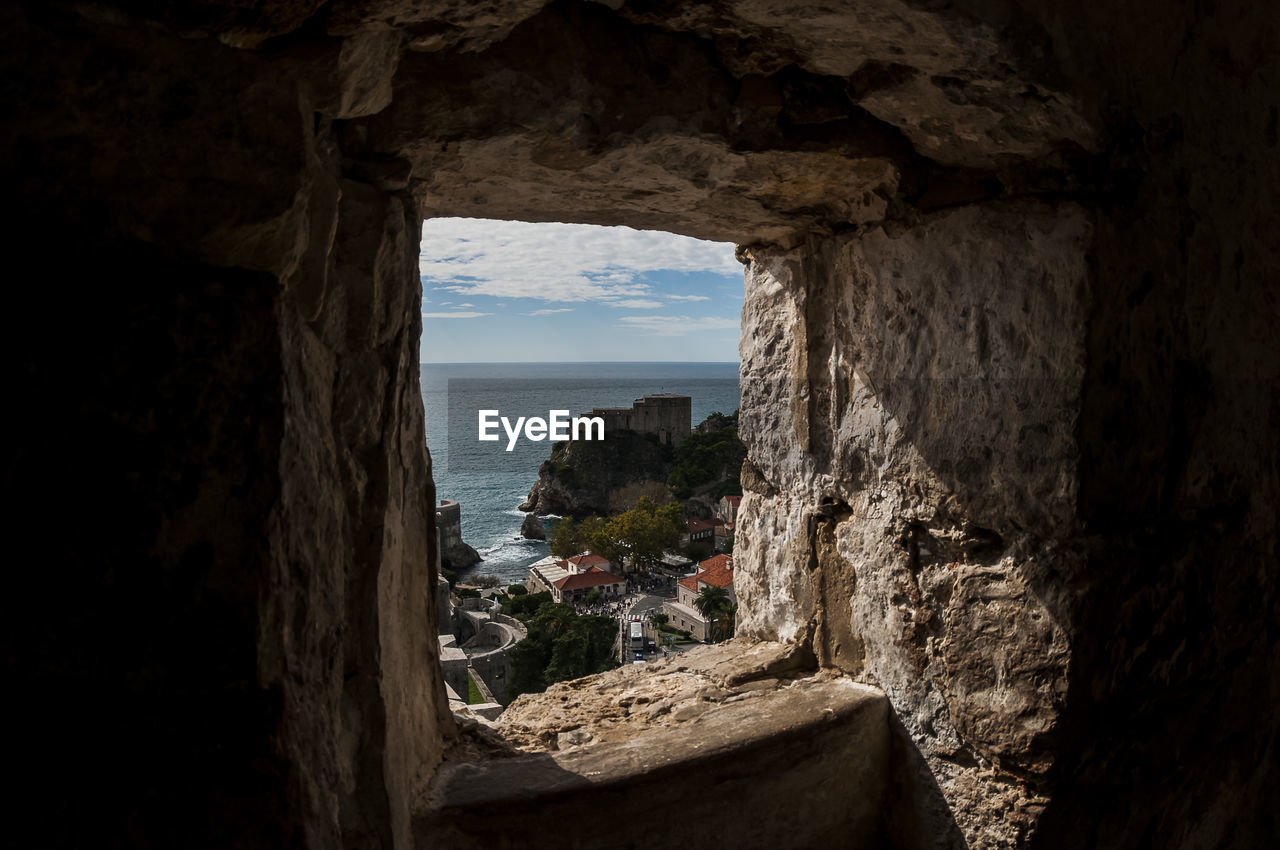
(459, 556)
(532, 528)
(602, 477)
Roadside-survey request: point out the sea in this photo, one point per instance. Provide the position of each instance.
(488, 481)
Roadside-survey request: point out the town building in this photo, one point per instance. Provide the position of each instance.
(568, 579)
(729, 509)
(699, 531)
(723, 534)
(682, 612)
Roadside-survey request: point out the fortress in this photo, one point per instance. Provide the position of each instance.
(453, 549)
(668, 415)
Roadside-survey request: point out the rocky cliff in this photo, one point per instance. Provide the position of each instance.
(459, 555)
(600, 477)
(532, 528)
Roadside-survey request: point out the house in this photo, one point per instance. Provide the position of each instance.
(699, 531)
(729, 508)
(576, 585)
(587, 560)
(682, 612)
(573, 577)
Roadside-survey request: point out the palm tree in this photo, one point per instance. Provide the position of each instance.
(712, 603)
(729, 620)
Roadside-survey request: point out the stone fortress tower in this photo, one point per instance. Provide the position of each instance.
(668, 415)
(453, 550)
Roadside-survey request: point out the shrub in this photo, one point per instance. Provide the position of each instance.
(529, 603)
(517, 590)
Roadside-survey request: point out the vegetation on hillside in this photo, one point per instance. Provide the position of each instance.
(711, 455)
(593, 469)
(584, 477)
(561, 645)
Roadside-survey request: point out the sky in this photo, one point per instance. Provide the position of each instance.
(513, 291)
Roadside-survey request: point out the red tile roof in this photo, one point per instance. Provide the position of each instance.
(734, 500)
(699, 524)
(716, 570)
(720, 561)
(593, 577)
(588, 559)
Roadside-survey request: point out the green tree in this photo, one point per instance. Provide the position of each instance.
(593, 596)
(586, 648)
(644, 533)
(517, 590)
(566, 539)
(660, 620)
(561, 645)
(728, 621)
(597, 537)
(527, 605)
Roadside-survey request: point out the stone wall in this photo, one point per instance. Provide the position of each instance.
(910, 406)
(227, 632)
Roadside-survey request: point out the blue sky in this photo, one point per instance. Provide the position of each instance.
(500, 291)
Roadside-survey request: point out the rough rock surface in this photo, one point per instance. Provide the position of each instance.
(532, 528)
(1009, 373)
(459, 556)
(614, 706)
(743, 727)
(894, 427)
(603, 478)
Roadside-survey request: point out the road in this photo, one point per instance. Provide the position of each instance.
(639, 608)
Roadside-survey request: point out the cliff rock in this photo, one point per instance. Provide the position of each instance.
(459, 555)
(532, 528)
(598, 477)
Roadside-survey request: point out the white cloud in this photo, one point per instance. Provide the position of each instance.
(688, 298)
(558, 262)
(466, 305)
(462, 315)
(677, 325)
(549, 312)
(635, 303)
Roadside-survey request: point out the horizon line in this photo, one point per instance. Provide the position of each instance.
(576, 362)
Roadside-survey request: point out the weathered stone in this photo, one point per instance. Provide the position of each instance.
(532, 528)
(823, 738)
